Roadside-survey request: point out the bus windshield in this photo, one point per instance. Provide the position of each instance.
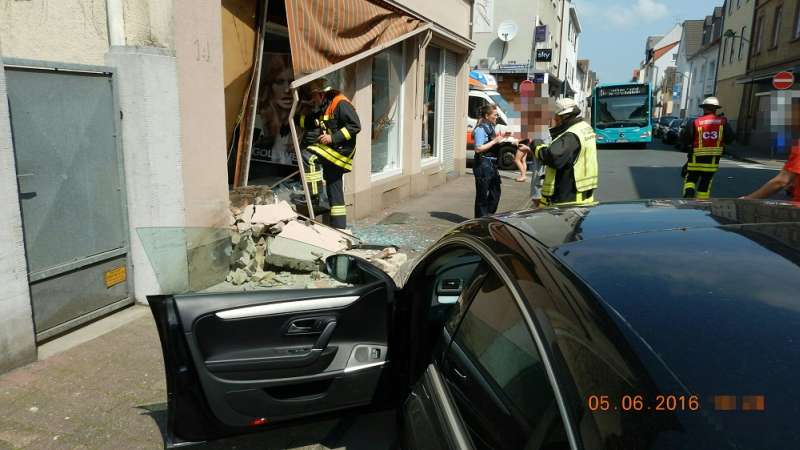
(621, 107)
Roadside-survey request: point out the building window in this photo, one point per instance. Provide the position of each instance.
(738, 4)
(797, 23)
(776, 27)
(741, 42)
(759, 35)
(387, 86)
(730, 7)
(724, 49)
(733, 46)
(433, 73)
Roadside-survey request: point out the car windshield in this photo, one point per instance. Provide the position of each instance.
(622, 111)
(505, 106)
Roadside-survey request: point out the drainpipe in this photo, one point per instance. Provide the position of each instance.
(116, 23)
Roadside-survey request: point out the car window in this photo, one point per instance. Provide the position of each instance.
(506, 401)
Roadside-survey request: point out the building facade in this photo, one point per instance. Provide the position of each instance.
(691, 41)
(157, 83)
(703, 64)
(514, 61)
(734, 56)
(775, 47)
(570, 38)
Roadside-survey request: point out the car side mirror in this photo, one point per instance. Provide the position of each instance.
(343, 268)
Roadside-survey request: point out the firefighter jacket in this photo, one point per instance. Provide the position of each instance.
(707, 135)
(571, 170)
(340, 120)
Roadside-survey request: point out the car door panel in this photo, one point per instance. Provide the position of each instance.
(270, 356)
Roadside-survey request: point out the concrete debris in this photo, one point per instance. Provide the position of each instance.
(272, 214)
(250, 195)
(274, 247)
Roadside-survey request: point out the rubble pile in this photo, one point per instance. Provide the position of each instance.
(272, 246)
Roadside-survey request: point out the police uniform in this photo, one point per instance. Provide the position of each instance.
(487, 177)
(571, 170)
(338, 118)
(707, 136)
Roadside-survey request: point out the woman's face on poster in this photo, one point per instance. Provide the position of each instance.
(281, 94)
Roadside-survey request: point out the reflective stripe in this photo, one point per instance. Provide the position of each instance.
(579, 201)
(340, 210)
(708, 151)
(314, 176)
(333, 156)
(302, 121)
(346, 133)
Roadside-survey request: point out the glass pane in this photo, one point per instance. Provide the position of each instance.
(496, 338)
(433, 69)
(387, 77)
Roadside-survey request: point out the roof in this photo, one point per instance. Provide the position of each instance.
(664, 50)
(692, 36)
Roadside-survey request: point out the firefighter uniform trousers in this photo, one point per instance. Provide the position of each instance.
(704, 158)
(318, 170)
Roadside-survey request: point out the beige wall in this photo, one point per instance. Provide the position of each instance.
(788, 49)
(451, 14)
(63, 31)
(149, 23)
(198, 38)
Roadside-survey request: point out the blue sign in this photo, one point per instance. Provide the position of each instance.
(541, 33)
(538, 77)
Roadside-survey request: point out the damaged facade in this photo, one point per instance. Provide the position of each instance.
(155, 89)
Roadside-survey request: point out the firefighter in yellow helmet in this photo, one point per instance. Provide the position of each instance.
(571, 171)
(329, 140)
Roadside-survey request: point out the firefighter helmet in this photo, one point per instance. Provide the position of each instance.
(711, 102)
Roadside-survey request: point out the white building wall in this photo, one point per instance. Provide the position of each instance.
(17, 344)
(669, 58)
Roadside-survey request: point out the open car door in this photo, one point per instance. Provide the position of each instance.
(243, 361)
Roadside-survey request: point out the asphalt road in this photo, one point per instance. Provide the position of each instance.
(629, 174)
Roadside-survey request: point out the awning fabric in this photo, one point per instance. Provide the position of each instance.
(324, 32)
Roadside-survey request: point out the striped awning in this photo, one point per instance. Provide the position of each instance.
(325, 32)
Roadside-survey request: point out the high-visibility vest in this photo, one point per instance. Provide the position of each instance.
(341, 156)
(707, 142)
(585, 168)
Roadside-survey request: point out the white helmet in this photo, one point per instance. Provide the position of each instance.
(566, 106)
(711, 101)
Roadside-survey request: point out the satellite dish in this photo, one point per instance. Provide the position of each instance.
(507, 31)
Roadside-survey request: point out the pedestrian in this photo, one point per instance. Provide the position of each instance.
(571, 170)
(704, 137)
(487, 177)
(336, 145)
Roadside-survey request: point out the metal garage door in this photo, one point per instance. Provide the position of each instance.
(449, 110)
(71, 190)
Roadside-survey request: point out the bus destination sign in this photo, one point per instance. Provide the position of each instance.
(620, 91)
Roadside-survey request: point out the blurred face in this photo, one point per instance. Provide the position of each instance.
(317, 98)
(281, 94)
(491, 117)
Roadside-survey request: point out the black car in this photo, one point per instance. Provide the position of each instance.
(661, 125)
(641, 325)
(681, 130)
(672, 133)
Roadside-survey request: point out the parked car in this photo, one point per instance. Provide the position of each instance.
(661, 125)
(546, 329)
(672, 132)
(681, 129)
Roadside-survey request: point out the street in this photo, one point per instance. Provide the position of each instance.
(74, 398)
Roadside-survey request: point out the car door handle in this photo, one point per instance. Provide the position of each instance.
(325, 336)
(460, 375)
(294, 328)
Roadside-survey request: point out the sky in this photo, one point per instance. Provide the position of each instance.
(614, 32)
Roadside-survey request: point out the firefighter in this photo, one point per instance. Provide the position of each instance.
(704, 137)
(335, 146)
(571, 171)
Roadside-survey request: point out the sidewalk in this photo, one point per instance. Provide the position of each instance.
(748, 154)
(103, 387)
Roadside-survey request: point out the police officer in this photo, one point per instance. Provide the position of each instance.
(487, 177)
(704, 137)
(571, 171)
(334, 148)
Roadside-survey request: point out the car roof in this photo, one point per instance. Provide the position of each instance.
(706, 296)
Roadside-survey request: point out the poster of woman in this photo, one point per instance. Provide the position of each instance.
(273, 142)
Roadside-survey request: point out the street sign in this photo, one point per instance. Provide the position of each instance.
(541, 33)
(544, 55)
(783, 80)
(539, 77)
